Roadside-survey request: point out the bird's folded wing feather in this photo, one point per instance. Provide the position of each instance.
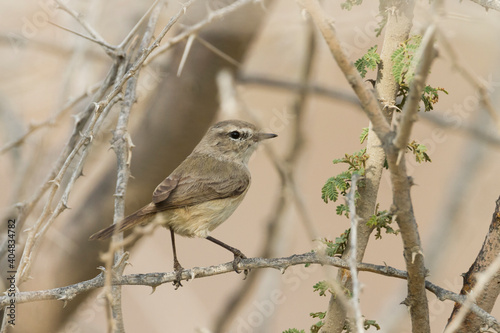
(195, 181)
(201, 181)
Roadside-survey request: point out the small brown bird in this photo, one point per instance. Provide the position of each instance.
(204, 190)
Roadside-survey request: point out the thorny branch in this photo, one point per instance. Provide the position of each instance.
(87, 126)
(368, 100)
(402, 203)
(154, 280)
(34, 127)
(353, 237)
(122, 145)
(394, 149)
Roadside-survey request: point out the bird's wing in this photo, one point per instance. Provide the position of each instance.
(200, 179)
(162, 191)
(196, 180)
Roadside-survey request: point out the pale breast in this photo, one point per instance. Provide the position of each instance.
(199, 220)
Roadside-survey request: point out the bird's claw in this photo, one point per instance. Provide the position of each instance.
(178, 275)
(236, 261)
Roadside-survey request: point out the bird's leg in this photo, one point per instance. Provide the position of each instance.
(238, 255)
(177, 266)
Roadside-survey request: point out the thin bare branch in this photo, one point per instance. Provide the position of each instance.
(193, 30)
(187, 48)
(34, 127)
(217, 51)
(49, 214)
(134, 30)
(108, 48)
(122, 145)
(154, 280)
(353, 237)
(367, 98)
(91, 39)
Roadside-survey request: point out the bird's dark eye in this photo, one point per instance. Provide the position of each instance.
(235, 135)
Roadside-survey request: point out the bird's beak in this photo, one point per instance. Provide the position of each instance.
(264, 136)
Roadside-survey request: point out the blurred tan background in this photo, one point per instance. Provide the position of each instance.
(44, 66)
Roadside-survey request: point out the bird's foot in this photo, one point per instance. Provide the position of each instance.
(237, 259)
(178, 275)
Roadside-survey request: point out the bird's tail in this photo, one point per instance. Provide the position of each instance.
(127, 223)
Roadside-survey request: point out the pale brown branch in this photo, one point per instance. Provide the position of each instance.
(154, 280)
(352, 259)
(134, 30)
(399, 23)
(91, 39)
(194, 29)
(425, 56)
(34, 127)
(218, 52)
(367, 98)
(108, 48)
(402, 204)
(122, 145)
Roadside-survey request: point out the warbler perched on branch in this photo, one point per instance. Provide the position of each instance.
(203, 191)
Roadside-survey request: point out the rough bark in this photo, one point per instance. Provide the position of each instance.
(486, 300)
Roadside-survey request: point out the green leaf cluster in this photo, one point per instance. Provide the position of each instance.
(348, 326)
(341, 183)
(382, 220)
(369, 60)
(404, 62)
(316, 327)
(322, 287)
(364, 135)
(338, 246)
(430, 97)
(420, 152)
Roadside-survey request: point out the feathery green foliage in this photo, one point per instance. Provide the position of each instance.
(322, 287)
(341, 183)
(294, 330)
(364, 135)
(338, 246)
(419, 150)
(404, 63)
(381, 220)
(369, 60)
(316, 327)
